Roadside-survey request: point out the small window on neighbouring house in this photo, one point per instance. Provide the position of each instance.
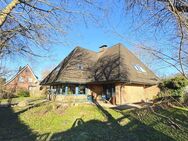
(139, 68)
(30, 80)
(80, 66)
(21, 79)
(27, 71)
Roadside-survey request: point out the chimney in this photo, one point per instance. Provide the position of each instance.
(102, 49)
(20, 68)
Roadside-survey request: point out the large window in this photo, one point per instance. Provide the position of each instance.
(81, 89)
(71, 89)
(63, 89)
(68, 89)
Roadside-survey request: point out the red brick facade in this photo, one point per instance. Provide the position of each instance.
(24, 79)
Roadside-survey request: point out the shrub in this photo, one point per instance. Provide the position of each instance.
(22, 93)
(185, 96)
(173, 86)
(6, 94)
(175, 83)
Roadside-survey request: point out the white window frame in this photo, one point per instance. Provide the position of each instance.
(139, 68)
(21, 79)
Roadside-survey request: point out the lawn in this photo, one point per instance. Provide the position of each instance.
(18, 99)
(87, 122)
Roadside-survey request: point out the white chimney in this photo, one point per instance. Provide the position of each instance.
(102, 49)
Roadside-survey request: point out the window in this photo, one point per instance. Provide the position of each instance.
(21, 79)
(26, 71)
(71, 89)
(81, 89)
(80, 66)
(139, 68)
(30, 80)
(62, 89)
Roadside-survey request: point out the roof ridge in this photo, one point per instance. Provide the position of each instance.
(85, 49)
(120, 55)
(59, 65)
(67, 59)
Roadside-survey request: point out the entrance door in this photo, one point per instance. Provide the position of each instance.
(109, 92)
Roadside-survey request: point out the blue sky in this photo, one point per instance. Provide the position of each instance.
(91, 36)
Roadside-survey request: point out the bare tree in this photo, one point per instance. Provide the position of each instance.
(169, 18)
(28, 23)
(28, 28)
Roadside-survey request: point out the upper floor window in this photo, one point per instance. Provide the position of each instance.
(26, 71)
(139, 68)
(30, 80)
(80, 66)
(21, 79)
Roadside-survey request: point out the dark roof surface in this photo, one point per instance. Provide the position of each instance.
(116, 63)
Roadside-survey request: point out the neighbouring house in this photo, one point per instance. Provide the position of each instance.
(25, 79)
(113, 73)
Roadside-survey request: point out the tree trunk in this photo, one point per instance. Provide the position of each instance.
(7, 10)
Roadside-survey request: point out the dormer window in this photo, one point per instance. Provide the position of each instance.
(139, 68)
(21, 79)
(26, 71)
(80, 66)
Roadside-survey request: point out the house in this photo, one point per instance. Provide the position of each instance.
(113, 73)
(25, 79)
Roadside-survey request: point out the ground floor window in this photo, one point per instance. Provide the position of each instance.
(81, 89)
(68, 89)
(63, 89)
(71, 89)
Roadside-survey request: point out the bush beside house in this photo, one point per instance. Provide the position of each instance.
(6, 94)
(185, 96)
(22, 93)
(175, 86)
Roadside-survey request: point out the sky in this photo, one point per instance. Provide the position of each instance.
(115, 27)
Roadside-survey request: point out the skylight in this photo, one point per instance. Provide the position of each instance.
(80, 66)
(139, 68)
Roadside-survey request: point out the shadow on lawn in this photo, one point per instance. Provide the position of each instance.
(12, 129)
(95, 130)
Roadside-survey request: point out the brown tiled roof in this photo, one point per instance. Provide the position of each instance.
(116, 64)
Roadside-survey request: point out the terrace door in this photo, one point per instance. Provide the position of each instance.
(109, 93)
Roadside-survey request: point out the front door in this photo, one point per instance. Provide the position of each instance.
(109, 92)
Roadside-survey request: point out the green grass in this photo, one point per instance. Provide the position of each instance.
(18, 99)
(88, 122)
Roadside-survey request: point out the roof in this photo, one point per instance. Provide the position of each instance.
(67, 71)
(20, 71)
(114, 64)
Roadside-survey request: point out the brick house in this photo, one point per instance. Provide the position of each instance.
(114, 74)
(25, 79)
